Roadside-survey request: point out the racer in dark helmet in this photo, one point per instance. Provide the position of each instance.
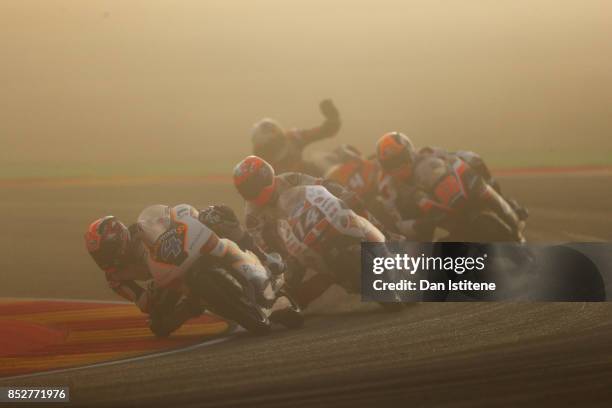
(283, 148)
(120, 253)
(107, 241)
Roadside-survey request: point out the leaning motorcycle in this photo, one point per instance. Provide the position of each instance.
(178, 243)
(453, 197)
(323, 234)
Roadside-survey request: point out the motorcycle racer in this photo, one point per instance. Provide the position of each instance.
(400, 189)
(359, 174)
(257, 182)
(351, 169)
(261, 188)
(184, 250)
(155, 220)
(283, 148)
(119, 251)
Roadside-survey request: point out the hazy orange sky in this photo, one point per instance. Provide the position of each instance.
(107, 81)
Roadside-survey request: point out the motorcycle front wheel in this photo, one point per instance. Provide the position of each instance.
(225, 296)
(488, 227)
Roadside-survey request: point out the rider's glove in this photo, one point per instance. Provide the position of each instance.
(329, 110)
(218, 214)
(275, 263)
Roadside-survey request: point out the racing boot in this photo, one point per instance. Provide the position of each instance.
(521, 212)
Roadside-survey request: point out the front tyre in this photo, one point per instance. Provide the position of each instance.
(348, 274)
(288, 312)
(226, 297)
(488, 227)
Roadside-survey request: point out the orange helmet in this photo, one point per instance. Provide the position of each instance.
(395, 153)
(107, 241)
(254, 179)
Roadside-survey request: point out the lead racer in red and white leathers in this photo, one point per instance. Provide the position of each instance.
(120, 252)
(187, 256)
(124, 256)
(405, 171)
(283, 148)
(297, 216)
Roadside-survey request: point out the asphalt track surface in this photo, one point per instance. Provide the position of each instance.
(437, 354)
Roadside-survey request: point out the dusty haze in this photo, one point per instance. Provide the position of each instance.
(96, 87)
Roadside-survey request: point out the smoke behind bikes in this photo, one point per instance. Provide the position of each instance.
(98, 87)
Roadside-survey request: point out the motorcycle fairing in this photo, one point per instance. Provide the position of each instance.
(178, 247)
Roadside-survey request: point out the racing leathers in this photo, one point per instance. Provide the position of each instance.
(262, 225)
(223, 221)
(360, 175)
(167, 307)
(261, 220)
(404, 200)
(182, 246)
(167, 310)
(286, 153)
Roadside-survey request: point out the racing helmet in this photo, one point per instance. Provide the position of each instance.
(395, 154)
(269, 140)
(254, 179)
(107, 241)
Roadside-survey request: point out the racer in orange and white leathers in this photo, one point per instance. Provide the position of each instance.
(361, 175)
(399, 189)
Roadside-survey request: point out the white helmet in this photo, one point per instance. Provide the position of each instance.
(269, 140)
